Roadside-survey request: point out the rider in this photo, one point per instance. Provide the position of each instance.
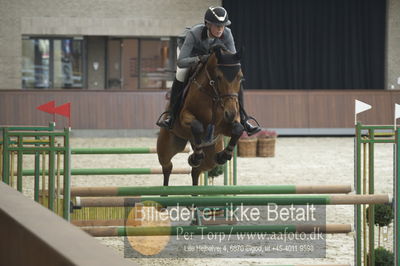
(195, 49)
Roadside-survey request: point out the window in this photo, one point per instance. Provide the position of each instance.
(55, 63)
(135, 63)
(154, 63)
(108, 62)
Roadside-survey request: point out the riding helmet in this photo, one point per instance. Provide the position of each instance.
(217, 15)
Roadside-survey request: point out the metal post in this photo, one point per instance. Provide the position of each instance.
(396, 185)
(51, 172)
(1, 161)
(67, 176)
(37, 172)
(43, 174)
(19, 164)
(364, 188)
(58, 193)
(235, 166)
(6, 157)
(357, 186)
(371, 213)
(206, 178)
(226, 171)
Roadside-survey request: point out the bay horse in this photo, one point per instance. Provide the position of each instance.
(210, 111)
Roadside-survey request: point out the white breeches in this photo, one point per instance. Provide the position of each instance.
(181, 73)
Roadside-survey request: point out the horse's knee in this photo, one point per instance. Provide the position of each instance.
(196, 159)
(197, 127)
(197, 130)
(222, 157)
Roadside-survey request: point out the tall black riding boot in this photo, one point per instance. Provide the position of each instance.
(173, 108)
(244, 118)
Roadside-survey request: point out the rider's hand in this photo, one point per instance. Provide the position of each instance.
(203, 58)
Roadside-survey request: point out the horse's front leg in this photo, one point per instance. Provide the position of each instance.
(197, 130)
(226, 154)
(198, 155)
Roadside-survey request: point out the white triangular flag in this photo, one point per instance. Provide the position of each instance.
(396, 111)
(361, 106)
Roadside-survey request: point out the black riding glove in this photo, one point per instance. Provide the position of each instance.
(203, 58)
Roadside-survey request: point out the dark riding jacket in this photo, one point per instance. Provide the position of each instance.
(197, 42)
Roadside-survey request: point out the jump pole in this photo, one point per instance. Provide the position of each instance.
(137, 150)
(115, 171)
(328, 228)
(107, 231)
(207, 201)
(208, 190)
(312, 265)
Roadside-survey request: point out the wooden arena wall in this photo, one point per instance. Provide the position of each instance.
(140, 109)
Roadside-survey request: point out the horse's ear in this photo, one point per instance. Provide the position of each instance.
(239, 54)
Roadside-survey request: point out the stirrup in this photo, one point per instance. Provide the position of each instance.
(250, 118)
(249, 128)
(159, 120)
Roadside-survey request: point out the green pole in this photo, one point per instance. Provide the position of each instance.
(109, 171)
(37, 173)
(51, 173)
(235, 165)
(19, 164)
(231, 200)
(226, 170)
(208, 200)
(67, 176)
(371, 189)
(396, 184)
(138, 150)
(203, 190)
(357, 185)
(6, 157)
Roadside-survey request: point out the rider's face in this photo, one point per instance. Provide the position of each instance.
(217, 30)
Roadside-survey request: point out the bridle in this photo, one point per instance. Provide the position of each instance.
(215, 95)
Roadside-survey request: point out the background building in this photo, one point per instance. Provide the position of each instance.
(305, 61)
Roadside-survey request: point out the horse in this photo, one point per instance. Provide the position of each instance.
(209, 111)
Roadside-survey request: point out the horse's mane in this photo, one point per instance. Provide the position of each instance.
(218, 47)
(224, 56)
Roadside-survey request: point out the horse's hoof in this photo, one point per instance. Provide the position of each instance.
(222, 157)
(195, 159)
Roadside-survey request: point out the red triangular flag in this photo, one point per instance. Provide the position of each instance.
(64, 110)
(47, 107)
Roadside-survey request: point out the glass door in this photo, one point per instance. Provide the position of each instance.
(68, 64)
(36, 63)
(52, 63)
(114, 80)
(130, 63)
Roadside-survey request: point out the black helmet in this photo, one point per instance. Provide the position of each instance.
(217, 15)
